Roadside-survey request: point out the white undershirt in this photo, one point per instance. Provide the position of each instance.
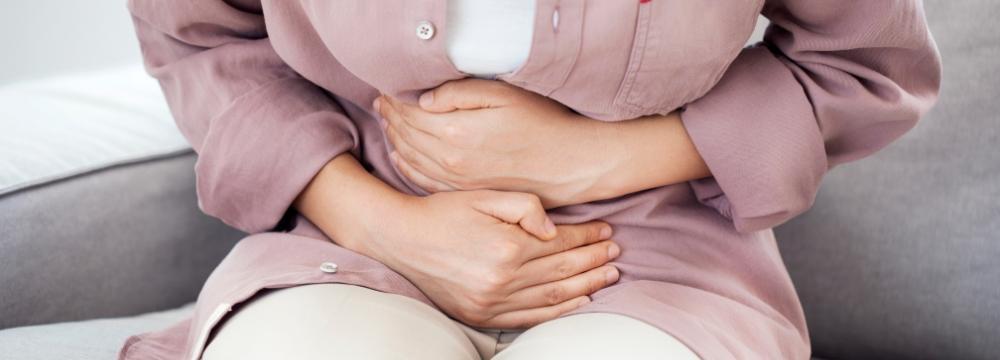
(489, 37)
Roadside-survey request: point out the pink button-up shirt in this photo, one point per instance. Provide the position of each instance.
(268, 91)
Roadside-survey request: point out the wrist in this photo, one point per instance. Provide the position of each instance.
(597, 174)
(640, 154)
(351, 206)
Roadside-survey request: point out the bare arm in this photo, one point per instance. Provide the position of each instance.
(653, 151)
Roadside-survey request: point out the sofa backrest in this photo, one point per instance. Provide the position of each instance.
(900, 256)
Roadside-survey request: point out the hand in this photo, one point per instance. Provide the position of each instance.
(481, 134)
(479, 255)
(487, 258)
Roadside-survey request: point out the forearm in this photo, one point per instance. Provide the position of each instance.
(642, 154)
(345, 201)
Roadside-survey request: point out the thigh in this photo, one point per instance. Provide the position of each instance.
(338, 321)
(595, 336)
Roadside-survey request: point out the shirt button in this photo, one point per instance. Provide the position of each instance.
(425, 30)
(328, 267)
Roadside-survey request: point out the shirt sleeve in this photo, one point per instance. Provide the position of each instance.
(261, 131)
(832, 81)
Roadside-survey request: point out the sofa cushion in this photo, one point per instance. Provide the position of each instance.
(98, 213)
(63, 126)
(900, 256)
(92, 339)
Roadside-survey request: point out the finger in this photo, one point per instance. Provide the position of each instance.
(397, 112)
(570, 237)
(552, 293)
(418, 158)
(392, 110)
(518, 208)
(565, 264)
(432, 148)
(417, 177)
(466, 94)
(523, 319)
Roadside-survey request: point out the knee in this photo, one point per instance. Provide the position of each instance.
(595, 336)
(331, 321)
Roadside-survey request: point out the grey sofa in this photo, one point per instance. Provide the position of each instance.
(898, 259)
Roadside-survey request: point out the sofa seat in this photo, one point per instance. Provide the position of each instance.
(89, 339)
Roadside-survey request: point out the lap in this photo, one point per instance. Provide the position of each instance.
(329, 321)
(595, 336)
(347, 321)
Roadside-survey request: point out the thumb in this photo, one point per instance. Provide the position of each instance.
(523, 209)
(466, 94)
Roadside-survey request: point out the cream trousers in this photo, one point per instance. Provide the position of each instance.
(338, 321)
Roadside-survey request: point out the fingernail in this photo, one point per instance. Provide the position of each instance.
(614, 250)
(550, 228)
(427, 99)
(606, 232)
(611, 275)
(584, 301)
(375, 104)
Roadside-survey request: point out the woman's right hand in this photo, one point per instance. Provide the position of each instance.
(487, 258)
(481, 257)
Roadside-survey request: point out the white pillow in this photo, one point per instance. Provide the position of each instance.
(62, 126)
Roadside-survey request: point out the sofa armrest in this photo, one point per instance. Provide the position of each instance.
(116, 241)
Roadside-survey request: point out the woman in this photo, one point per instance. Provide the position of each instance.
(404, 209)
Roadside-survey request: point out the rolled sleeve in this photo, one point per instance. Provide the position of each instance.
(261, 131)
(756, 132)
(831, 82)
(263, 151)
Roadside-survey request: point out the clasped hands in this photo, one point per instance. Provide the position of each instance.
(491, 154)
(494, 157)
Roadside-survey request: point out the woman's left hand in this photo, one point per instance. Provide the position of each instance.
(481, 134)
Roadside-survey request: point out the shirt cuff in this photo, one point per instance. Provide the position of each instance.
(757, 133)
(265, 148)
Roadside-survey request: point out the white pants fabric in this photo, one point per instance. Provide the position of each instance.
(339, 321)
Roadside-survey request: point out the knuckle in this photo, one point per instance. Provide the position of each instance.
(496, 280)
(507, 252)
(530, 201)
(554, 295)
(406, 172)
(407, 154)
(595, 283)
(598, 256)
(453, 133)
(390, 132)
(472, 314)
(564, 269)
(479, 303)
(594, 231)
(454, 162)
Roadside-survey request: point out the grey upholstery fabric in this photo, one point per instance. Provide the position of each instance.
(120, 241)
(91, 339)
(900, 256)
